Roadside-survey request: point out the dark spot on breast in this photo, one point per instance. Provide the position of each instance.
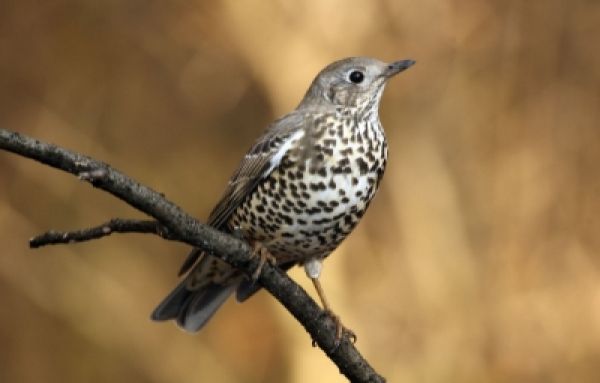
(371, 156)
(363, 167)
(329, 142)
(286, 218)
(337, 170)
(317, 186)
(348, 220)
(321, 221)
(375, 166)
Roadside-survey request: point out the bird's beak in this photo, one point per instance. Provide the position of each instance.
(397, 67)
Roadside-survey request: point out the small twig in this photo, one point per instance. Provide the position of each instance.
(116, 225)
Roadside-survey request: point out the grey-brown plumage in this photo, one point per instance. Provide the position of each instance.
(301, 188)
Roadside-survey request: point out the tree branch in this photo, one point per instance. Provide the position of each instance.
(116, 225)
(187, 229)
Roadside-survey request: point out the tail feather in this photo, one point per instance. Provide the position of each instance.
(193, 308)
(171, 305)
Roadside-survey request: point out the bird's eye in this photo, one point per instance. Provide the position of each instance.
(356, 76)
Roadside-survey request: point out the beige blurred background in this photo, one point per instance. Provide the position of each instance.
(478, 261)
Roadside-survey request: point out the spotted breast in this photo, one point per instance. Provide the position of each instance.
(321, 188)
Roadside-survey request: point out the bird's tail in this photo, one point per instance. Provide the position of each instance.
(192, 307)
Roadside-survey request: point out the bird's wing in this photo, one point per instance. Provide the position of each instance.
(264, 156)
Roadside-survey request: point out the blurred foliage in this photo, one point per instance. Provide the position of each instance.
(478, 261)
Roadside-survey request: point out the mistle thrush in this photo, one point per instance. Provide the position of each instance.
(299, 191)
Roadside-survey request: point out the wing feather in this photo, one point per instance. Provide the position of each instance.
(258, 163)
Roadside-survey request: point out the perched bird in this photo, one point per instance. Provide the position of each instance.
(298, 192)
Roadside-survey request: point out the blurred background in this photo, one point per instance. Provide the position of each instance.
(477, 262)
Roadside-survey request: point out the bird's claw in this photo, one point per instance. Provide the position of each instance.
(340, 331)
(259, 250)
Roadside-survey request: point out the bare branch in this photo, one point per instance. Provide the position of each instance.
(116, 225)
(182, 225)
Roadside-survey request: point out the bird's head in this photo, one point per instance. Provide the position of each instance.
(355, 82)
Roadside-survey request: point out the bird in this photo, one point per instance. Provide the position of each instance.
(298, 192)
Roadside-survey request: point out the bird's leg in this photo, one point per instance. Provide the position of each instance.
(313, 271)
(259, 250)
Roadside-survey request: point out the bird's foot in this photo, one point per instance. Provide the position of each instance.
(340, 330)
(259, 250)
